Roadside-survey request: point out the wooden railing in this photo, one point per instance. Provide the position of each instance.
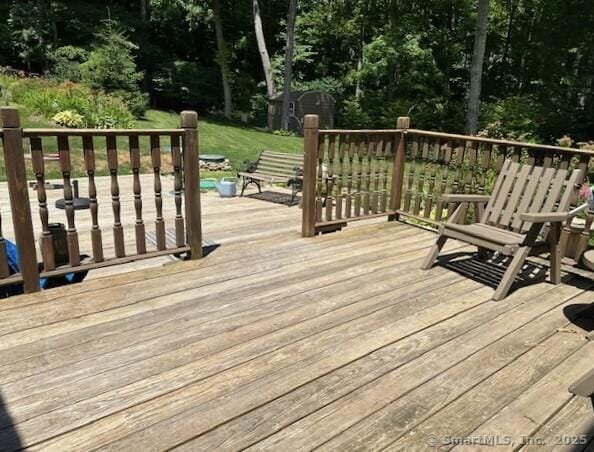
(402, 172)
(183, 148)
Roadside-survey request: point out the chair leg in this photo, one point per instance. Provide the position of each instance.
(556, 255)
(483, 253)
(510, 274)
(434, 253)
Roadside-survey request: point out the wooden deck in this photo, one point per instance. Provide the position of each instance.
(274, 342)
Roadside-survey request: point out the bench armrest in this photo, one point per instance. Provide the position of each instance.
(545, 217)
(249, 166)
(465, 198)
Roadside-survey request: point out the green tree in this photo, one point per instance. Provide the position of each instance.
(111, 67)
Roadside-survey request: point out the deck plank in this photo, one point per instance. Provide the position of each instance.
(338, 341)
(385, 408)
(520, 419)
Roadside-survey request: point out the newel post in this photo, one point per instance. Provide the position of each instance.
(14, 161)
(189, 122)
(311, 136)
(402, 124)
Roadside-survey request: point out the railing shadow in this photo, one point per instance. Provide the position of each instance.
(490, 271)
(9, 437)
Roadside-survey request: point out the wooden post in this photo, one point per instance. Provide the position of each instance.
(402, 123)
(189, 122)
(311, 135)
(14, 160)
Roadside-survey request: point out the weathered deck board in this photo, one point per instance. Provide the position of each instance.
(338, 342)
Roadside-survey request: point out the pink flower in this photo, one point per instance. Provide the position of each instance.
(586, 192)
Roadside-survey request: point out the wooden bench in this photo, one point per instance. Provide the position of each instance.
(274, 167)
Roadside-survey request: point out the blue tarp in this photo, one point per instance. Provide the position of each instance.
(12, 254)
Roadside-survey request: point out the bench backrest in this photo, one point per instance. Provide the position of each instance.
(524, 188)
(278, 163)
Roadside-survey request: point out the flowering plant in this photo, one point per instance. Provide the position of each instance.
(587, 195)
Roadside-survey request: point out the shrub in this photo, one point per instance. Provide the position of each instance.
(259, 109)
(106, 112)
(353, 116)
(516, 118)
(66, 63)
(68, 118)
(283, 133)
(49, 98)
(110, 67)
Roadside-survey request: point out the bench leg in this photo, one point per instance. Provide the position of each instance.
(434, 253)
(244, 184)
(510, 274)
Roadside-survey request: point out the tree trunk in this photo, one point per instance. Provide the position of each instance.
(476, 68)
(222, 58)
(289, 63)
(265, 57)
(143, 11)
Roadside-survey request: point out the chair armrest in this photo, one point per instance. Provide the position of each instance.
(545, 217)
(465, 198)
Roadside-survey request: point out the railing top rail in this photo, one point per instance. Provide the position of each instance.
(100, 132)
(451, 136)
(359, 131)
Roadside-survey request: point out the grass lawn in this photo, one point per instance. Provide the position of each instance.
(236, 142)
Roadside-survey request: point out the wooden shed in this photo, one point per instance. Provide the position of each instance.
(303, 103)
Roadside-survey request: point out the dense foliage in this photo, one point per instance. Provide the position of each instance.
(380, 58)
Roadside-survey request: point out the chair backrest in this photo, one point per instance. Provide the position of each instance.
(279, 163)
(530, 189)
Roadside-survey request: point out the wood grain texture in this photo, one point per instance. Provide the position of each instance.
(296, 345)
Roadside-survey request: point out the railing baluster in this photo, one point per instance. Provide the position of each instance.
(330, 177)
(350, 176)
(421, 180)
(432, 177)
(156, 163)
(375, 195)
(340, 176)
(367, 150)
(139, 228)
(486, 163)
(71, 234)
(46, 245)
(180, 238)
(385, 173)
(411, 174)
(320, 179)
(446, 152)
(96, 239)
(459, 160)
(112, 164)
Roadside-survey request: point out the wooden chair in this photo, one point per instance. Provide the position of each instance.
(526, 210)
